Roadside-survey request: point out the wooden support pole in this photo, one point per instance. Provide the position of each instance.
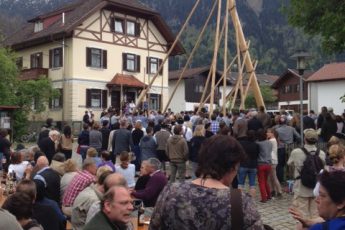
(248, 62)
(191, 55)
(252, 72)
(226, 70)
(143, 93)
(215, 53)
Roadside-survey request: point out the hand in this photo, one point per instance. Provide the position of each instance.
(299, 216)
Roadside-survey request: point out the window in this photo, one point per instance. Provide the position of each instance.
(119, 25)
(96, 58)
(57, 102)
(130, 26)
(123, 26)
(96, 98)
(36, 60)
(131, 62)
(55, 58)
(155, 101)
(38, 26)
(153, 65)
(19, 63)
(198, 88)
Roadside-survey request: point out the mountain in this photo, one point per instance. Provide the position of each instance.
(272, 40)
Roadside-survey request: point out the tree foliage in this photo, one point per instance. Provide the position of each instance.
(267, 94)
(321, 17)
(31, 96)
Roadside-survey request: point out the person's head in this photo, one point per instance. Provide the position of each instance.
(114, 179)
(54, 135)
(42, 162)
(67, 131)
(333, 141)
(124, 159)
(149, 130)
(261, 134)
(138, 125)
(85, 126)
(49, 122)
(178, 129)
(117, 204)
(199, 131)
(310, 136)
(282, 120)
(153, 164)
(262, 108)
(96, 126)
(101, 176)
(89, 165)
(224, 131)
(20, 205)
(331, 199)
(28, 187)
(207, 126)
(336, 153)
(3, 133)
(103, 169)
(105, 155)
(251, 135)
(123, 123)
(271, 133)
(17, 157)
(219, 158)
(60, 157)
(144, 168)
(91, 152)
(70, 166)
(105, 123)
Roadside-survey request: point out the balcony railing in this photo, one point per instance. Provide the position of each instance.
(33, 74)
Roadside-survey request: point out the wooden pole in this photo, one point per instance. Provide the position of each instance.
(141, 96)
(214, 66)
(248, 62)
(191, 55)
(225, 72)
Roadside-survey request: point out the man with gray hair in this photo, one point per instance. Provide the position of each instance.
(122, 139)
(155, 184)
(116, 209)
(47, 144)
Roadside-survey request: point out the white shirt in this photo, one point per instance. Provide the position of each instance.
(128, 174)
(19, 169)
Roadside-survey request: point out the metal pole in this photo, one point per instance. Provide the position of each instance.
(301, 71)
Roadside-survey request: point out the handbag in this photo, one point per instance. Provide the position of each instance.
(237, 221)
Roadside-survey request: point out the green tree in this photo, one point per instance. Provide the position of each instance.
(22, 93)
(320, 17)
(267, 94)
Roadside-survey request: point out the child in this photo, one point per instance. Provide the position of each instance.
(126, 169)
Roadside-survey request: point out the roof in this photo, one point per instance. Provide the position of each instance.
(78, 12)
(189, 73)
(126, 81)
(329, 72)
(288, 72)
(9, 107)
(263, 79)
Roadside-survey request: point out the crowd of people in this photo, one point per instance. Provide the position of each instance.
(152, 156)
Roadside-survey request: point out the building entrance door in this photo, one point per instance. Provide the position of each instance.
(115, 100)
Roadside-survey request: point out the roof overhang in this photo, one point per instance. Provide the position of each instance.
(126, 81)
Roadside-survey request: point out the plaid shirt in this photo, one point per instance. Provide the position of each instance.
(78, 184)
(214, 127)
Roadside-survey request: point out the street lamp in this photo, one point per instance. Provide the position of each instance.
(301, 57)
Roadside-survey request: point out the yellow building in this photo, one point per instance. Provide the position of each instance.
(92, 51)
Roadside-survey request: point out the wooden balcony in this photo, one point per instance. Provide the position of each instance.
(33, 74)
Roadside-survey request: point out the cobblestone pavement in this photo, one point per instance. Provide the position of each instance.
(275, 212)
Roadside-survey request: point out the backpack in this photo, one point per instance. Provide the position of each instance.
(311, 168)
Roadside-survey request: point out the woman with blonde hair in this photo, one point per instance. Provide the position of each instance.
(70, 168)
(195, 145)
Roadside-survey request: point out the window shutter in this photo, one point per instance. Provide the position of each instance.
(112, 24)
(61, 98)
(88, 97)
(61, 57)
(40, 60)
(137, 29)
(104, 52)
(137, 62)
(104, 99)
(50, 58)
(124, 61)
(148, 69)
(88, 56)
(32, 58)
(160, 61)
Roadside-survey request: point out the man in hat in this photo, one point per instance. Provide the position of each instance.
(304, 199)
